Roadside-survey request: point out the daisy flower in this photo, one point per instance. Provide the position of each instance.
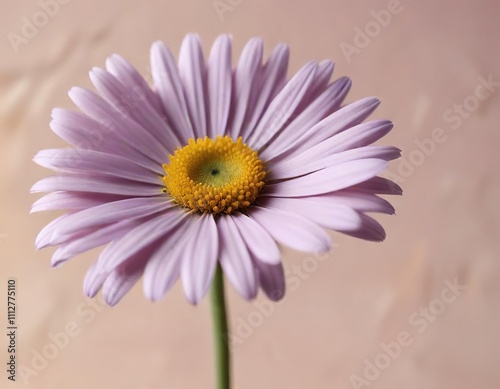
(211, 165)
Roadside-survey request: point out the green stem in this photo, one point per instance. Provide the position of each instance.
(223, 359)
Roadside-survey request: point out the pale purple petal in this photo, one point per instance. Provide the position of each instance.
(71, 201)
(45, 235)
(370, 230)
(339, 121)
(105, 185)
(379, 185)
(85, 133)
(139, 238)
(283, 106)
(258, 241)
(112, 213)
(320, 83)
(245, 80)
(164, 266)
(309, 162)
(92, 240)
(291, 229)
(361, 202)
(93, 280)
(169, 87)
(123, 278)
(200, 259)
(95, 162)
(192, 71)
(136, 107)
(129, 76)
(269, 80)
(316, 111)
(328, 180)
(122, 127)
(326, 213)
(271, 279)
(235, 258)
(219, 85)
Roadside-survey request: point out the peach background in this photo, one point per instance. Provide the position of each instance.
(427, 59)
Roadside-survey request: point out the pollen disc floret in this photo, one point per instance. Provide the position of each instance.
(214, 176)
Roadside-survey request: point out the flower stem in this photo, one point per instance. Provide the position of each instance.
(223, 360)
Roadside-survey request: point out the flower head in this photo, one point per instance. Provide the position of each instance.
(210, 164)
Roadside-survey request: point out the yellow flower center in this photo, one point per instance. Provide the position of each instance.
(215, 176)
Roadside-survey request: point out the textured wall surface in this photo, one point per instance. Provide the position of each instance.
(340, 321)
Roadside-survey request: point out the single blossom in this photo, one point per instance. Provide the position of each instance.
(213, 163)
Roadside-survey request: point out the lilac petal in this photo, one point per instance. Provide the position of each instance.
(258, 241)
(128, 131)
(291, 229)
(123, 278)
(320, 83)
(235, 258)
(200, 259)
(140, 238)
(85, 133)
(283, 106)
(269, 81)
(135, 107)
(105, 185)
(370, 230)
(328, 180)
(45, 235)
(219, 85)
(128, 75)
(271, 279)
(378, 185)
(326, 213)
(361, 202)
(112, 213)
(95, 162)
(169, 87)
(71, 201)
(309, 162)
(192, 71)
(316, 111)
(357, 136)
(92, 240)
(164, 265)
(341, 120)
(245, 80)
(360, 135)
(93, 280)
(75, 127)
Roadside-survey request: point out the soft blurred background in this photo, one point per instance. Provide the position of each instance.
(420, 310)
